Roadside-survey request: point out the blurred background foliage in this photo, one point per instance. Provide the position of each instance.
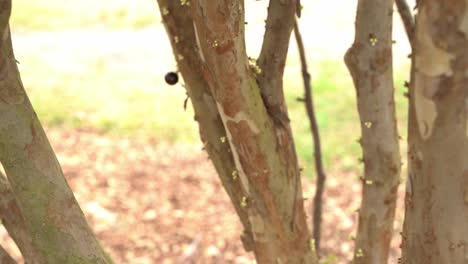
(100, 65)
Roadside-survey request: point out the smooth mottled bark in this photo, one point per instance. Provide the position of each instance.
(370, 62)
(57, 227)
(261, 148)
(436, 204)
(309, 104)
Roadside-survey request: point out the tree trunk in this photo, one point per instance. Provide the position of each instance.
(267, 194)
(180, 29)
(436, 204)
(369, 61)
(57, 227)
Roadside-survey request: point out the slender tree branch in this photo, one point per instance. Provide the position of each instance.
(13, 221)
(5, 257)
(407, 18)
(272, 58)
(309, 104)
(180, 28)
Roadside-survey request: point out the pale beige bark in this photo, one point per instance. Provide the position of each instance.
(436, 203)
(5, 258)
(265, 166)
(370, 63)
(57, 227)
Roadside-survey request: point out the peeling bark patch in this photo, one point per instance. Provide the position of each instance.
(426, 111)
(240, 170)
(238, 118)
(463, 27)
(430, 60)
(251, 160)
(197, 38)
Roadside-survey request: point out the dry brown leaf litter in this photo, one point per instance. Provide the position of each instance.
(153, 202)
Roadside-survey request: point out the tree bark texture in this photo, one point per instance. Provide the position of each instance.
(436, 204)
(57, 227)
(258, 147)
(181, 31)
(14, 223)
(369, 61)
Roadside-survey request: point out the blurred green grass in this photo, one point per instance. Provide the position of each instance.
(30, 15)
(119, 101)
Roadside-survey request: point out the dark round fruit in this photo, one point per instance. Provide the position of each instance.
(171, 78)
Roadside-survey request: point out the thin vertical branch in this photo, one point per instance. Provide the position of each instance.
(407, 18)
(272, 58)
(309, 104)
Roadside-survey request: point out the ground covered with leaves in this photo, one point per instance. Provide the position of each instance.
(153, 202)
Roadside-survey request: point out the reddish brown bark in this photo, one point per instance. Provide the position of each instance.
(262, 150)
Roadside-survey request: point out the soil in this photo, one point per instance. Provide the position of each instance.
(153, 202)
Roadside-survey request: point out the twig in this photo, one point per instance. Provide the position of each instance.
(309, 103)
(407, 18)
(5, 258)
